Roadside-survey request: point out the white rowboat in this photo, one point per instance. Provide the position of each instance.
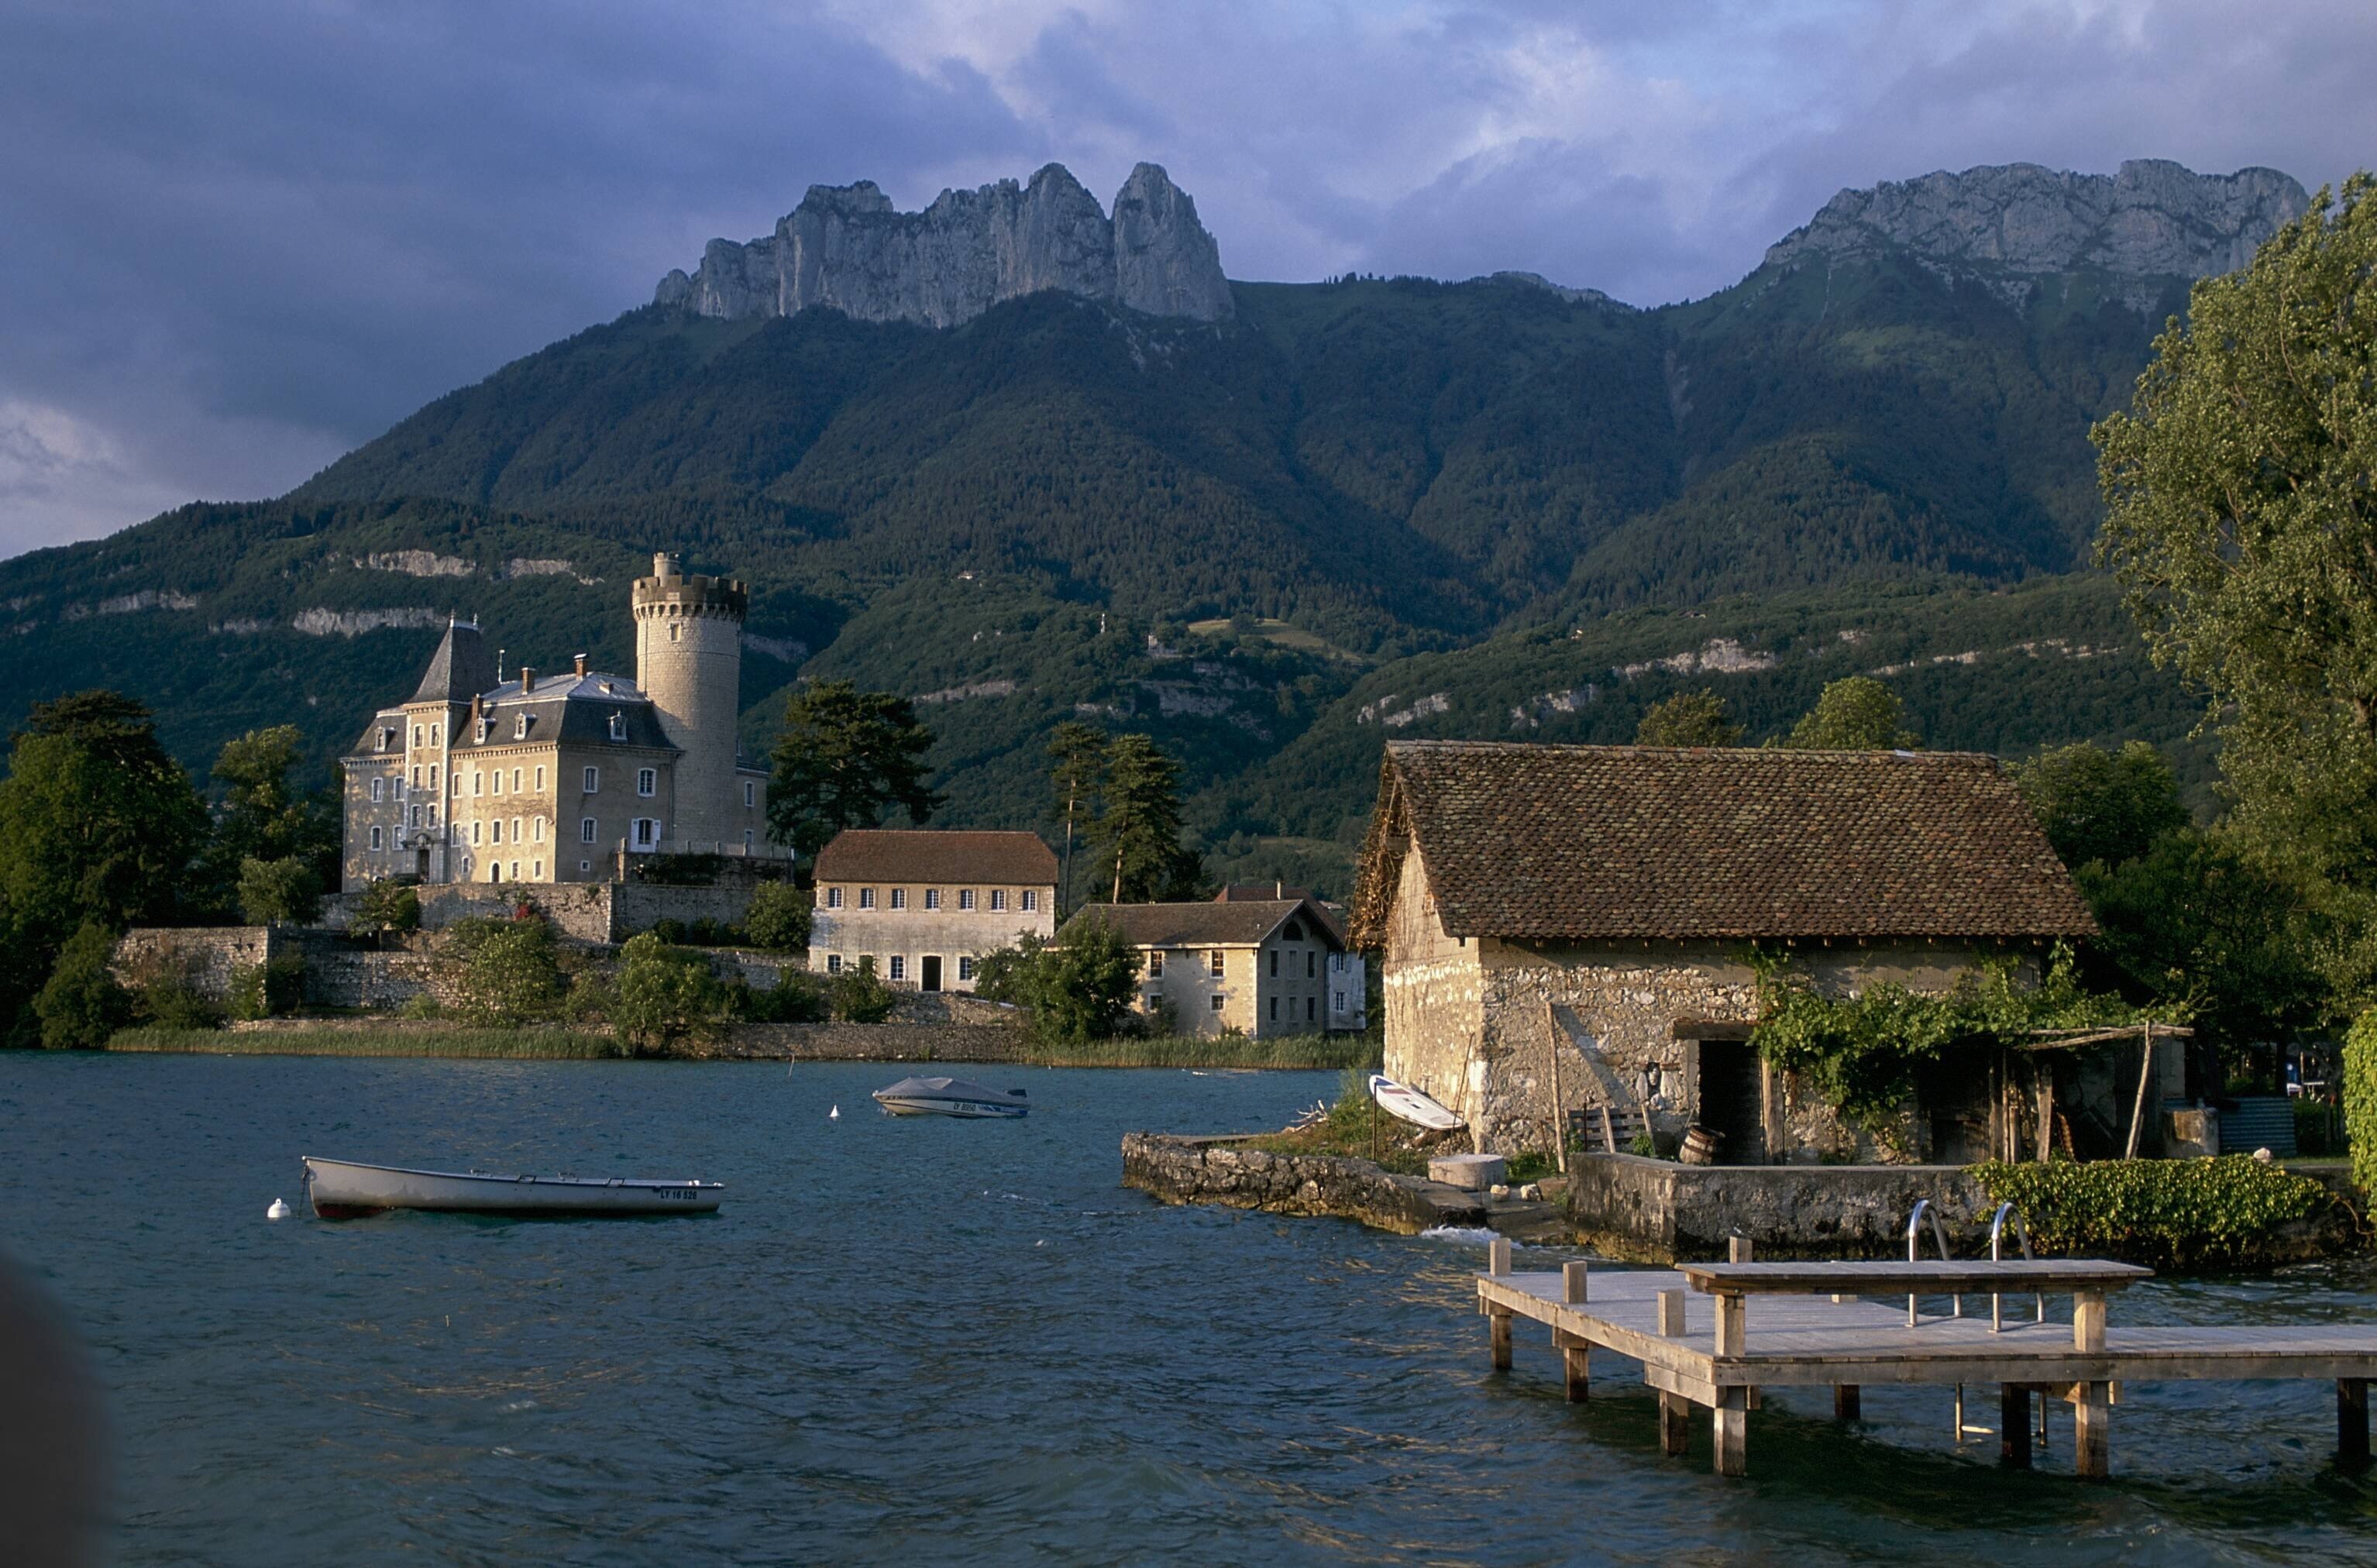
(342, 1190)
(950, 1097)
(1407, 1103)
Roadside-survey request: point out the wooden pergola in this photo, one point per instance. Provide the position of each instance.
(2144, 1032)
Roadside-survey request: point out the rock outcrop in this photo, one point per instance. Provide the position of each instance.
(846, 247)
(2154, 218)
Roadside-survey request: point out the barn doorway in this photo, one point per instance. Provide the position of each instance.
(930, 976)
(1732, 1100)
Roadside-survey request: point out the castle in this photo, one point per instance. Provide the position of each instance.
(562, 776)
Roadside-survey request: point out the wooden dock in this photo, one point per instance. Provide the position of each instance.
(1704, 1342)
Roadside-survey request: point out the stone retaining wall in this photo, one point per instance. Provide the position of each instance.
(585, 911)
(1658, 1212)
(1201, 1170)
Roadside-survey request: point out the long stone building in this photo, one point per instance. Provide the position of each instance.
(563, 775)
(1568, 928)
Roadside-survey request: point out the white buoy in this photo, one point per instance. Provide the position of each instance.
(834, 1115)
(278, 1211)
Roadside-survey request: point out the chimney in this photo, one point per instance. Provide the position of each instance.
(1279, 889)
(663, 564)
(580, 661)
(527, 679)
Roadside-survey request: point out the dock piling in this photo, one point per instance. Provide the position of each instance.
(1575, 1278)
(2352, 1420)
(2091, 1425)
(2014, 1425)
(1848, 1402)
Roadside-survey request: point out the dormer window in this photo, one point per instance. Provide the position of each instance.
(519, 728)
(386, 737)
(486, 725)
(618, 727)
(434, 731)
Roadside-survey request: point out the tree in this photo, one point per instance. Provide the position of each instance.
(1077, 766)
(1077, 988)
(665, 994)
(842, 759)
(263, 816)
(856, 994)
(1688, 718)
(81, 1005)
(2241, 523)
(2101, 806)
(1855, 713)
(390, 903)
(510, 975)
(278, 892)
(778, 917)
(1139, 832)
(96, 823)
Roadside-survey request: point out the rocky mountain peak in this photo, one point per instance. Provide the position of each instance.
(847, 247)
(2154, 218)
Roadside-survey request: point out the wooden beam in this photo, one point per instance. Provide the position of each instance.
(1500, 1340)
(1729, 1425)
(1848, 1402)
(2088, 1320)
(2092, 1432)
(2352, 1420)
(1675, 1423)
(2138, 1111)
(1976, 1277)
(1576, 1362)
(2014, 1425)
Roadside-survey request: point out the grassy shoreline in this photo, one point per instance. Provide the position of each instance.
(1284, 1053)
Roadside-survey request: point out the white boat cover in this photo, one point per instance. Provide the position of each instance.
(950, 1097)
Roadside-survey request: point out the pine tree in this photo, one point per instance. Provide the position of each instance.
(1077, 766)
(844, 758)
(1139, 832)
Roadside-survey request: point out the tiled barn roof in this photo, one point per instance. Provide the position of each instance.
(953, 856)
(1238, 922)
(1597, 842)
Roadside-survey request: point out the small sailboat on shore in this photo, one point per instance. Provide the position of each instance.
(1407, 1103)
(951, 1097)
(345, 1189)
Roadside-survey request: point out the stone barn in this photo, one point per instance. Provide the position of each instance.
(1585, 914)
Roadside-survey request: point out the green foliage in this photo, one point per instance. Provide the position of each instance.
(2360, 1098)
(858, 995)
(2240, 521)
(1077, 769)
(778, 918)
(390, 904)
(1079, 988)
(1861, 1053)
(513, 1045)
(507, 971)
(2102, 806)
(795, 998)
(279, 892)
(81, 1004)
(665, 993)
(1138, 831)
(844, 758)
(1688, 718)
(265, 816)
(2164, 1213)
(267, 989)
(591, 998)
(165, 995)
(1856, 713)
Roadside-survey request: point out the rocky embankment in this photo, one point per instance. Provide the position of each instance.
(1224, 1171)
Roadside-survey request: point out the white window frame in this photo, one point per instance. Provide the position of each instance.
(646, 833)
(833, 898)
(965, 901)
(540, 778)
(965, 966)
(1217, 1001)
(1218, 961)
(1030, 899)
(898, 898)
(519, 728)
(932, 898)
(585, 832)
(591, 782)
(376, 838)
(375, 792)
(750, 793)
(898, 966)
(834, 964)
(997, 899)
(1156, 964)
(866, 898)
(647, 781)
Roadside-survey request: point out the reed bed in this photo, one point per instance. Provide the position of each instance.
(1278, 1052)
(509, 1045)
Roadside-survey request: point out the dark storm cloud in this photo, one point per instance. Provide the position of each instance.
(240, 239)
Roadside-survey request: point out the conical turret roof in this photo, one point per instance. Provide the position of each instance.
(460, 669)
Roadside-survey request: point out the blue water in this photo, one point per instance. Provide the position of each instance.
(953, 1341)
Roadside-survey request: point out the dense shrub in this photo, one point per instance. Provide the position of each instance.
(81, 1004)
(2360, 1098)
(665, 993)
(2184, 1213)
(268, 989)
(779, 917)
(508, 973)
(1077, 988)
(858, 995)
(388, 904)
(795, 998)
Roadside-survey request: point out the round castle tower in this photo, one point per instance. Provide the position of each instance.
(689, 661)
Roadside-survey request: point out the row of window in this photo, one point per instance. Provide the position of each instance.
(966, 896)
(834, 965)
(647, 784)
(535, 871)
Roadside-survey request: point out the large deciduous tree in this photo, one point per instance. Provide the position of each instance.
(2102, 806)
(265, 815)
(2241, 519)
(843, 760)
(1688, 718)
(1139, 832)
(1855, 713)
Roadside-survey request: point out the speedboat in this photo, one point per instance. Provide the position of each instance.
(950, 1096)
(344, 1189)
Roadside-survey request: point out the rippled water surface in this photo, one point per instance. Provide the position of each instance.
(944, 1340)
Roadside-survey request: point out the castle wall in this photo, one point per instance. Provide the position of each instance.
(689, 661)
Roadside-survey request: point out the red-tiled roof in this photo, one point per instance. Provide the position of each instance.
(934, 855)
(1590, 843)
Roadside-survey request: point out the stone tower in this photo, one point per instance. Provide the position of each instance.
(689, 661)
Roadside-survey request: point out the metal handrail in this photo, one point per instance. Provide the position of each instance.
(1997, 1254)
(1923, 1209)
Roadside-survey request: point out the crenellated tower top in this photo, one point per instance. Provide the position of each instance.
(669, 593)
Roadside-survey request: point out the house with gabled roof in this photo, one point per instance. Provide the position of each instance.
(1566, 928)
(1257, 965)
(924, 904)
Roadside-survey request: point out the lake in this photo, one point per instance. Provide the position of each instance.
(958, 1341)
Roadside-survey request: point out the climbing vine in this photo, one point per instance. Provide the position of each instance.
(1862, 1052)
(2360, 1098)
(2166, 1213)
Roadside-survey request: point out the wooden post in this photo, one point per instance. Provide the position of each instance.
(2046, 1105)
(1576, 1362)
(1738, 1249)
(1848, 1402)
(1730, 1425)
(1559, 1115)
(2138, 1111)
(1671, 1314)
(2092, 1431)
(1498, 1256)
(1575, 1277)
(2088, 1322)
(1675, 1422)
(2352, 1420)
(1731, 1325)
(2014, 1425)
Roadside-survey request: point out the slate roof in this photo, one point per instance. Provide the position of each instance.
(576, 707)
(460, 669)
(1595, 843)
(1238, 923)
(950, 856)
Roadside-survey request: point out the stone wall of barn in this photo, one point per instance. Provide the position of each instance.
(1434, 989)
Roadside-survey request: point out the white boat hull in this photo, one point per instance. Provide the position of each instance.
(342, 1190)
(1407, 1103)
(973, 1109)
(952, 1096)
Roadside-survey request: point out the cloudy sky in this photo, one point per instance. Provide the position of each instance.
(238, 238)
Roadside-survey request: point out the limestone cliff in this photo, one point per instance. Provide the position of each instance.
(2155, 219)
(846, 247)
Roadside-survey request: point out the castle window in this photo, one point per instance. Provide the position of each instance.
(965, 899)
(866, 898)
(1310, 1003)
(376, 838)
(516, 778)
(1030, 899)
(648, 831)
(592, 783)
(536, 829)
(833, 898)
(1274, 974)
(1274, 1010)
(434, 731)
(416, 735)
(932, 898)
(416, 778)
(432, 778)
(539, 781)
(1217, 1001)
(618, 727)
(454, 778)
(834, 964)
(648, 780)
(1215, 960)
(998, 898)
(500, 781)
(1293, 931)
(474, 832)
(898, 966)
(519, 728)
(1307, 965)
(485, 726)
(1336, 1001)
(495, 870)
(536, 870)
(386, 737)
(898, 898)
(750, 793)
(1156, 964)
(515, 829)
(433, 815)
(965, 966)
(676, 633)
(585, 832)
(478, 784)
(374, 792)
(586, 865)
(516, 872)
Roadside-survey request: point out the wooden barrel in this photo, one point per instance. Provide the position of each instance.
(1700, 1145)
